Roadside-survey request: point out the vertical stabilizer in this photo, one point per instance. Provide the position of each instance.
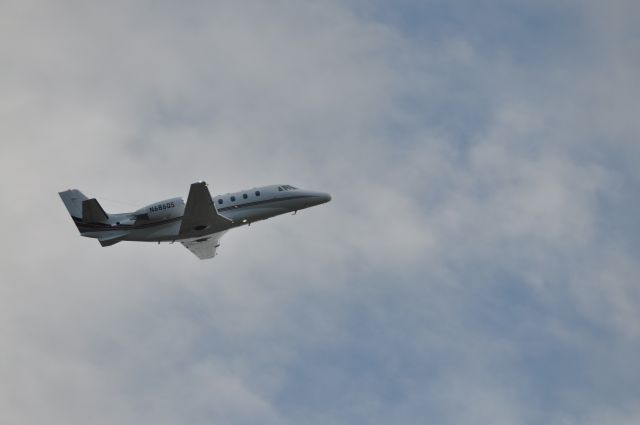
(87, 214)
(73, 199)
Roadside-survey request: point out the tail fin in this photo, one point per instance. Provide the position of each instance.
(86, 213)
(90, 219)
(73, 199)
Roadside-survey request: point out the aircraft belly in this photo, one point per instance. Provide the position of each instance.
(105, 234)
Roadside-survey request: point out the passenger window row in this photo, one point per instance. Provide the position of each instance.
(233, 198)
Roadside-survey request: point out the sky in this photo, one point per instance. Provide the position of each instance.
(478, 262)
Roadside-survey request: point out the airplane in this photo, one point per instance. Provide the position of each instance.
(198, 225)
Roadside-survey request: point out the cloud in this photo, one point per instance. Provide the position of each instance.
(476, 263)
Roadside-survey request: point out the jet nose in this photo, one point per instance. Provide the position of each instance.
(323, 197)
(313, 198)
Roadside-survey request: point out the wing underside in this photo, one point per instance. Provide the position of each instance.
(206, 247)
(202, 226)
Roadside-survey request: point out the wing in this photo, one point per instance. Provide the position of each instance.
(200, 214)
(205, 247)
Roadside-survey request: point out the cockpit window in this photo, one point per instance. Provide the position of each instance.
(280, 189)
(287, 187)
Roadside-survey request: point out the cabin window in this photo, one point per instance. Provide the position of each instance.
(233, 199)
(244, 195)
(220, 201)
(257, 193)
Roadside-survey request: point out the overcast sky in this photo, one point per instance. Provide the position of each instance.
(478, 263)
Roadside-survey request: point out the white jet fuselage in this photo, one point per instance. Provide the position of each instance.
(202, 218)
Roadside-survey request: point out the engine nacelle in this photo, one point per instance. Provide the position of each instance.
(163, 210)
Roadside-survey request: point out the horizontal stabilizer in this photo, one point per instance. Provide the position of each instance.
(109, 242)
(92, 212)
(113, 238)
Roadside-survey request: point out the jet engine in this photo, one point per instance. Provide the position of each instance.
(163, 210)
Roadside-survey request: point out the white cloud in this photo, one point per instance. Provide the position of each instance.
(467, 270)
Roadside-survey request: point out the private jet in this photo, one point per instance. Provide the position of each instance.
(197, 224)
